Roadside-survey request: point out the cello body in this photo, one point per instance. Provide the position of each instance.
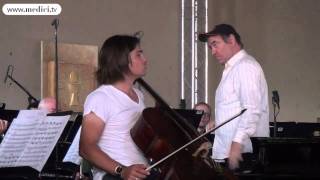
(158, 142)
(160, 131)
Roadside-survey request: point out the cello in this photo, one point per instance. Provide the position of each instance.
(164, 137)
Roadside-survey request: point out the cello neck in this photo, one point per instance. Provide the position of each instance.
(155, 95)
(179, 120)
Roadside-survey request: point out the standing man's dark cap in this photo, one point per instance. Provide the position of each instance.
(220, 29)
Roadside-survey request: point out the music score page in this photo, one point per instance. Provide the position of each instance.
(30, 139)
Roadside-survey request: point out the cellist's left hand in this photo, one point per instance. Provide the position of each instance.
(235, 155)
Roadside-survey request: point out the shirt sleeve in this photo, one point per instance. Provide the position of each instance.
(249, 92)
(96, 103)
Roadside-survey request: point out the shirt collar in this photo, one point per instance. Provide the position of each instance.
(235, 58)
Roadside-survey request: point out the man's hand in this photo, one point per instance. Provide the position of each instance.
(3, 125)
(235, 155)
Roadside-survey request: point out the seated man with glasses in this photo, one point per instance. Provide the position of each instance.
(206, 122)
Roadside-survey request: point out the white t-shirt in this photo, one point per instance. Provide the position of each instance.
(119, 113)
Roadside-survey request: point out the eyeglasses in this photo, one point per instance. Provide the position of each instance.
(205, 114)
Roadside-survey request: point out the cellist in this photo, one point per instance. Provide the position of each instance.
(112, 109)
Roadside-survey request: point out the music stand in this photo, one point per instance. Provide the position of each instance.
(54, 167)
(191, 115)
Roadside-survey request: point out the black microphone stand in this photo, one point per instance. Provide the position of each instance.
(182, 104)
(275, 114)
(55, 23)
(32, 101)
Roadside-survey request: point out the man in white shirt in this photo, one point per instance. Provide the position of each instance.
(243, 85)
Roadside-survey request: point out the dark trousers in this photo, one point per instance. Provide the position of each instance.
(245, 166)
(111, 177)
(153, 175)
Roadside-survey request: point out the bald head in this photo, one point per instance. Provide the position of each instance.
(48, 104)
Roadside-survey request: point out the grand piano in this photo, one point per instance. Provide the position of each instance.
(293, 154)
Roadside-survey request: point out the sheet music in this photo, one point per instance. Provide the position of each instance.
(73, 152)
(31, 139)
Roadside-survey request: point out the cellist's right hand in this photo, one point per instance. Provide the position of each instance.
(135, 172)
